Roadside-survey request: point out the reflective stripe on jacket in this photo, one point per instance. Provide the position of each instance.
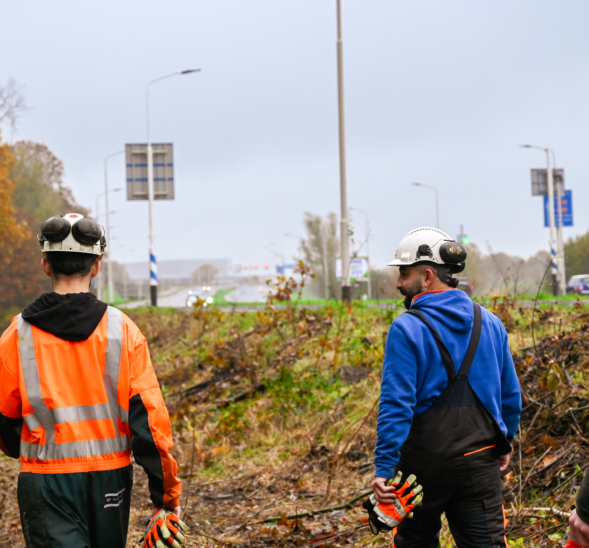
(49, 428)
(85, 404)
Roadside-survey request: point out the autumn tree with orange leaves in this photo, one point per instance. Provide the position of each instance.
(21, 276)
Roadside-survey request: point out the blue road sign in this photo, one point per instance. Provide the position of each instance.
(567, 210)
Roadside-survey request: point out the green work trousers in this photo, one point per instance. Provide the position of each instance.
(80, 510)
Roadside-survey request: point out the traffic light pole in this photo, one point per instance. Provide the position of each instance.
(345, 234)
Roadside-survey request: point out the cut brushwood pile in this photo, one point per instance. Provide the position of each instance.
(551, 452)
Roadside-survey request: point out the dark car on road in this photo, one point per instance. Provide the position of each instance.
(579, 284)
(465, 285)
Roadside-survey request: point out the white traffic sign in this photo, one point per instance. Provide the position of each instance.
(163, 171)
(358, 268)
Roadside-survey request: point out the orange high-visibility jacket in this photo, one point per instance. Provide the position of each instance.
(82, 406)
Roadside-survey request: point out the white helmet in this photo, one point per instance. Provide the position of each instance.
(72, 233)
(430, 245)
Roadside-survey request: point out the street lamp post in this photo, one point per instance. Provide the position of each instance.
(111, 292)
(108, 238)
(437, 201)
(553, 244)
(369, 283)
(152, 259)
(345, 235)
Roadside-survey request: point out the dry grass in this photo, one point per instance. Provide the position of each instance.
(274, 414)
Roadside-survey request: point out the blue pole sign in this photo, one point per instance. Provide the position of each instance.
(567, 210)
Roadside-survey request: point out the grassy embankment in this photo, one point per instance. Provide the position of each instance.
(275, 412)
(274, 415)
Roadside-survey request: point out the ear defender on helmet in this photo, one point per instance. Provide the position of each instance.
(452, 253)
(72, 232)
(54, 229)
(86, 232)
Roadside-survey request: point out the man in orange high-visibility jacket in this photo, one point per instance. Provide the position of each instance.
(78, 393)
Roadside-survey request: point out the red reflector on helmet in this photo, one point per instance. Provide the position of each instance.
(73, 216)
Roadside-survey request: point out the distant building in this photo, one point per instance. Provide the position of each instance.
(182, 270)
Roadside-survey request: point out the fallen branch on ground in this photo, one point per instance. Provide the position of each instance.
(349, 504)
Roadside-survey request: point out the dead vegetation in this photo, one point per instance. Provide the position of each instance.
(274, 418)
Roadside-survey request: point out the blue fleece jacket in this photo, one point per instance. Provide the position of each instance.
(414, 375)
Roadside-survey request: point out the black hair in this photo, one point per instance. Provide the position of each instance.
(444, 272)
(69, 263)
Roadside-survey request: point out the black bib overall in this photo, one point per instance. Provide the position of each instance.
(453, 449)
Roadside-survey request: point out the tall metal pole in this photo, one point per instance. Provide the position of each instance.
(551, 221)
(345, 236)
(111, 290)
(153, 281)
(559, 240)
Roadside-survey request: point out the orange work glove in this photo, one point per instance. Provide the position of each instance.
(164, 530)
(385, 517)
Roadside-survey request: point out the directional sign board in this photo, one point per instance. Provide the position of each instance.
(567, 210)
(540, 181)
(358, 267)
(163, 171)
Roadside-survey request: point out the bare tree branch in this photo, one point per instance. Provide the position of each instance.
(12, 103)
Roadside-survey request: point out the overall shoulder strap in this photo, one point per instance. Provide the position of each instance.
(446, 358)
(474, 342)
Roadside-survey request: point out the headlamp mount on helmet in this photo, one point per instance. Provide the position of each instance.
(424, 250)
(72, 233)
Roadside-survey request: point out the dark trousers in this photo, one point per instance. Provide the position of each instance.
(468, 490)
(81, 510)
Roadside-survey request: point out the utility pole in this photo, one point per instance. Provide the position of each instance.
(345, 235)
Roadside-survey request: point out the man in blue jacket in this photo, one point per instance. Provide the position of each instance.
(450, 401)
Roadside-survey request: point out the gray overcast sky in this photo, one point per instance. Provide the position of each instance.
(440, 92)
